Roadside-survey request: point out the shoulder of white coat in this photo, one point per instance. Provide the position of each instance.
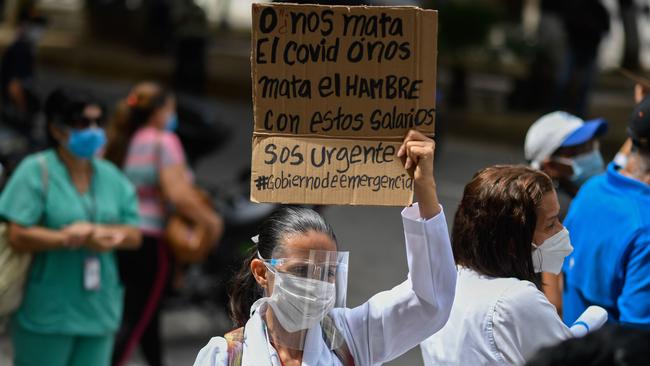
(522, 299)
(522, 290)
(215, 353)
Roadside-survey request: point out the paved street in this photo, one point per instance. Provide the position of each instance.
(373, 235)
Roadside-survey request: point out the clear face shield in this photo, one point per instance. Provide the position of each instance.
(305, 286)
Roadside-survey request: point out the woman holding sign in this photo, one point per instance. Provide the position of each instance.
(289, 297)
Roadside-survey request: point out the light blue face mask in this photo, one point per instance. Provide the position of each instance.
(172, 123)
(86, 143)
(586, 166)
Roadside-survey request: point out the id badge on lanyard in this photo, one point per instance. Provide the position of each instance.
(92, 265)
(92, 273)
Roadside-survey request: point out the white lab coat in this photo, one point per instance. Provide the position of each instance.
(494, 321)
(387, 325)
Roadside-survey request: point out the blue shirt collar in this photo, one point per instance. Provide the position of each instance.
(617, 179)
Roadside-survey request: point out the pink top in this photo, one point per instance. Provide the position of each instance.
(150, 150)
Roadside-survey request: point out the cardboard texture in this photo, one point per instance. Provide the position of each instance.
(329, 171)
(342, 79)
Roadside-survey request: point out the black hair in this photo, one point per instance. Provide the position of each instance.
(28, 14)
(610, 345)
(64, 106)
(640, 150)
(244, 289)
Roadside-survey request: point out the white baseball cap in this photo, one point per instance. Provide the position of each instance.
(559, 129)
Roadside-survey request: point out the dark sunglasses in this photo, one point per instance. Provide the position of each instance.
(85, 122)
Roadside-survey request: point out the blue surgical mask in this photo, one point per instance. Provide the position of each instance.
(586, 166)
(172, 123)
(86, 143)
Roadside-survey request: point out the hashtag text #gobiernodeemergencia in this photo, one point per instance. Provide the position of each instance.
(333, 181)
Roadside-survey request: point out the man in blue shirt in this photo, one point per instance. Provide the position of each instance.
(609, 222)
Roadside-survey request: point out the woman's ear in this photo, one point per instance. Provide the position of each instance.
(258, 268)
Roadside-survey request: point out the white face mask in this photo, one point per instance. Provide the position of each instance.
(300, 303)
(549, 256)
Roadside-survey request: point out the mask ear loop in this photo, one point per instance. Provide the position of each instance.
(273, 261)
(537, 252)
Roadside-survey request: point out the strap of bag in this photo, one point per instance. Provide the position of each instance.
(331, 332)
(235, 340)
(45, 180)
(42, 161)
(158, 151)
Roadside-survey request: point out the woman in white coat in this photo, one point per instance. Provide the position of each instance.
(506, 229)
(288, 302)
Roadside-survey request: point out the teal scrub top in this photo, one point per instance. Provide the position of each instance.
(55, 300)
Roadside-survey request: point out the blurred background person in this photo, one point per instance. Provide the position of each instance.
(610, 229)
(567, 149)
(18, 92)
(609, 346)
(641, 90)
(72, 210)
(536, 89)
(585, 22)
(142, 141)
(505, 231)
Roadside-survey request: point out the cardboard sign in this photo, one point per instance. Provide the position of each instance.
(329, 171)
(342, 81)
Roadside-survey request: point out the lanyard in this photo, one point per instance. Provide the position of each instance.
(268, 343)
(90, 208)
(92, 278)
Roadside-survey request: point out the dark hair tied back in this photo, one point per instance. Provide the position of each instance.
(131, 114)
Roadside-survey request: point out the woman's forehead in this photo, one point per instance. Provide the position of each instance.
(550, 207)
(300, 245)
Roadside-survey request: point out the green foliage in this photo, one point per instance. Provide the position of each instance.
(463, 24)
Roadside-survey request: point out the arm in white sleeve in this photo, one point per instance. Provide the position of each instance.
(523, 322)
(393, 322)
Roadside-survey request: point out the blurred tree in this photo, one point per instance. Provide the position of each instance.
(144, 24)
(191, 33)
(463, 25)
